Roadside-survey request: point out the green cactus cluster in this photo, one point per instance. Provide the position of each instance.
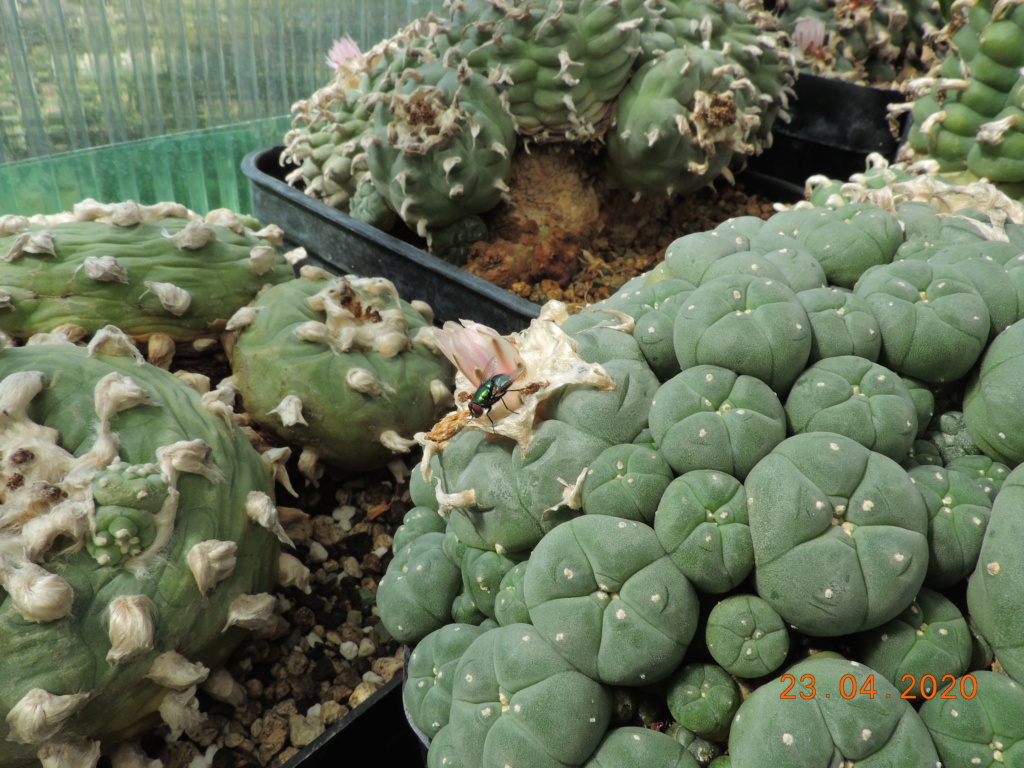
(876, 42)
(967, 116)
(786, 530)
(426, 125)
(141, 543)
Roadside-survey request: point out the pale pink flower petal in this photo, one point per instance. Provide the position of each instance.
(477, 350)
(343, 49)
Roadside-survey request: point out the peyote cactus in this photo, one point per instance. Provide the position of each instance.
(140, 542)
(810, 559)
(339, 366)
(145, 269)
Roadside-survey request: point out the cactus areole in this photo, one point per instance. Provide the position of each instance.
(134, 550)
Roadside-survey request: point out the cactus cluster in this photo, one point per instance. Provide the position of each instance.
(882, 41)
(761, 473)
(967, 113)
(425, 126)
(140, 541)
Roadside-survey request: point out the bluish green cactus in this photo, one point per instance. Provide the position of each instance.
(701, 521)
(603, 592)
(703, 698)
(839, 532)
(746, 636)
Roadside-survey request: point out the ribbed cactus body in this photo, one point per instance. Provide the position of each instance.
(145, 269)
(84, 433)
(341, 367)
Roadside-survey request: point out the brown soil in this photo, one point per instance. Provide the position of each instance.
(566, 235)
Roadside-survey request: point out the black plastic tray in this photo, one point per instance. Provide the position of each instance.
(378, 727)
(834, 126)
(343, 244)
(350, 246)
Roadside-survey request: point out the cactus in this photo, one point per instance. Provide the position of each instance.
(145, 269)
(977, 721)
(874, 43)
(340, 366)
(858, 512)
(433, 116)
(815, 728)
(746, 636)
(780, 543)
(929, 642)
(703, 698)
(142, 541)
(967, 117)
(989, 418)
(857, 398)
(640, 746)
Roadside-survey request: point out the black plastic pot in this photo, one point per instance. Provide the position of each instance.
(378, 726)
(835, 125)
(349, 246)
(343, 244)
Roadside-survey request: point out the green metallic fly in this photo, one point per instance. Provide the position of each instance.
(492, 392)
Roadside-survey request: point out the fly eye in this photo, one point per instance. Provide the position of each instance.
(476, 409)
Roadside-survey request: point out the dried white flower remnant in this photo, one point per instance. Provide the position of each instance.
(172, 670)
(212, 561)
(180, 710)
(130, 627)
(261, 259)
(37, 594)
(261, 510)
(172, 298)
(104, 269)
(39, 715)
(251, 611)
(289, 410)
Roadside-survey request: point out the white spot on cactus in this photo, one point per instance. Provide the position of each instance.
(172, 670)
(130, 627)
(39, 243)
(251, 611)
(261, 510)
(104, 269)
(620, 614)
(787, 739)
(37, 594)
(364, 381)
(867, 505)
(193, 236)
(243, 318)
(829, 593)
(992, 568)
(111, 340)
(289, 411)
(115, 393)
(395, 443)
(71, 751)
(223, 687)
(180, 710)
(568, 573)
(39, 715)
(212, 561)
(172, 298)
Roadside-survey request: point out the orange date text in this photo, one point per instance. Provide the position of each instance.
(928, 687)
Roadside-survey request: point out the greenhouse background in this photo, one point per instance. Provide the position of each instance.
(160, 99)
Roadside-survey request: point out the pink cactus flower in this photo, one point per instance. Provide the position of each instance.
(344, 48)
(479, 351)
(809, 36)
